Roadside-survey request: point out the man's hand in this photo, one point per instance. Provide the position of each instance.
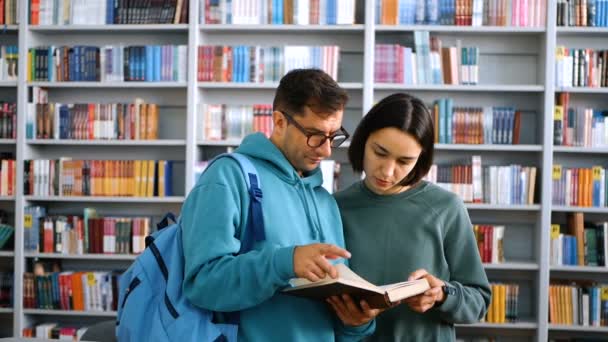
(350, 313)
(424, 301)
(310, 261)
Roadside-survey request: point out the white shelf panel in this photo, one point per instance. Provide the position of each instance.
(577, 328)
(482, 206)
(588, 210)
(110, 28)
(580, 269)
(517, 325)
(8, 84)
(8, 141)
(465, 88)
(237, 142)
(9, 27)
(586, 150)
(489, 147)
(568, 30)
(582, 90)
(269, 85)
(68, 142)
(91, 199)
(461, 29)
(516, 266)
(42, 312)
(7, 254)
(280, 28)
(98, 257)
(159, 85)
(7, 198)
(6, 310)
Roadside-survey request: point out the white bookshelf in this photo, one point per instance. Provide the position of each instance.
(580, 269)
(519, 71)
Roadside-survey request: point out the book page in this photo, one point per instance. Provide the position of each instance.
(345, 274)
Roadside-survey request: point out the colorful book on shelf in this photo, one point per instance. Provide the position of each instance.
(348, 282)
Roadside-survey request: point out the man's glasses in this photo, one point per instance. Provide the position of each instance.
(317, 139)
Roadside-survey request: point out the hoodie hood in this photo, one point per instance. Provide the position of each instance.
(258, 146)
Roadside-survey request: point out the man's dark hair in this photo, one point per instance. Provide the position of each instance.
(406, 113)
(309, 87)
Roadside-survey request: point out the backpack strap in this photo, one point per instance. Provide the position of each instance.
(254, 228)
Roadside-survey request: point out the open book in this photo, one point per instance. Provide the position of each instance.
(348, 282)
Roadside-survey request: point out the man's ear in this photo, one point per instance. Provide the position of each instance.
(279, 121)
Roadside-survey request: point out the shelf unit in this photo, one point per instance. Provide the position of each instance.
(533, 86)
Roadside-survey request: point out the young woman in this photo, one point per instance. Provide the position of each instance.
(399, 227)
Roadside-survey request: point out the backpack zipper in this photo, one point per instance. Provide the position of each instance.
(130, 289)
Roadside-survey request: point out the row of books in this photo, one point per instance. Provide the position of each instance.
(582, 187)
(150, 63)
(587, 127)
(517, 13)
(475, 125)
(6, 289)
(8, 120)
(67, 177)
(79, 291)
(7, 177)
(9, 56)
(581, 67)
(89, 233)
(579, 242)
(258, 64)
(54, 331)
(276, 12)
(91, 121)
(490, 243)
(100, 12)
(578, 304)
(224, 122)
(6, 235)
(427, 63)
(498, 185)
(9, 12)
(504, 304)
(582, 13)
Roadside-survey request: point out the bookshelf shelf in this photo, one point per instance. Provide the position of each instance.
(9, 28)
(270, 86)
(577, 328)
(280, 28)
(584, 150)
(515, 266)
(66, 142)
(110, 28)
(489, 147)
(507, 30)
(517, 325)
(237, 142)
(580, 269)
(583, 90)
(42, 312)
(568, 30)
(160, 85)
(99, 257)
(8, 84)
(587, 210)
(462, 88)
(91, 199)
(505, 207)
(8, 141)
(7, 198)
(7, 254)
(6, 310)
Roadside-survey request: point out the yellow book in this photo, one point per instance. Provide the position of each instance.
(151, 176)
(490, 313)
(502, 304)
(161, 178)
(143, 174)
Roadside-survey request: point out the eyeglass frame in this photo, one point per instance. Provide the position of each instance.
(309, 135)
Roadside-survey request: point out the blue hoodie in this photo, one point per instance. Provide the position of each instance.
(297, 211)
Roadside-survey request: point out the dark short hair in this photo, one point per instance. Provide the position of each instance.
(309, 87)
(406, 113)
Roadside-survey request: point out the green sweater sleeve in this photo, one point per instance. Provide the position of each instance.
(467, 275)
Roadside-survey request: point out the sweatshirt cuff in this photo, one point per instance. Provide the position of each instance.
(360, 330)
(451, 301)
(283, 263)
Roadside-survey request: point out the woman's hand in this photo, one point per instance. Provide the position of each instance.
(424, 301)
(350, 313)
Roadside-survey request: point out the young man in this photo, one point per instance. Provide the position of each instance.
(302, 224)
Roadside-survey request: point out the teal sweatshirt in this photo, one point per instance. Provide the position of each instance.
(424, 227)
(297, 211)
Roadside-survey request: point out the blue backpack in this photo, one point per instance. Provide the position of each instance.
(151, 305)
